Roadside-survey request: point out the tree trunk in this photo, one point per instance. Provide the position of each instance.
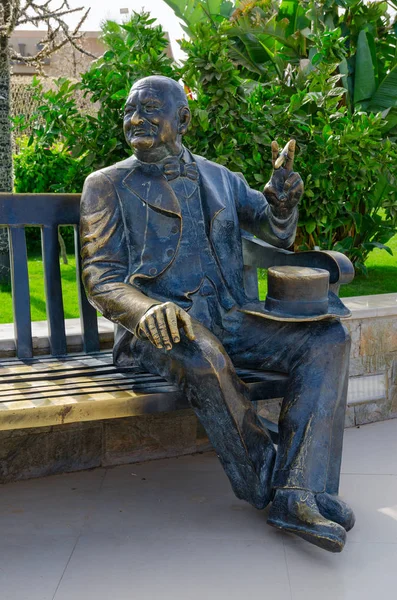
(6, 173)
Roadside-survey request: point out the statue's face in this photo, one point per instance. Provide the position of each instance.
(151, 117)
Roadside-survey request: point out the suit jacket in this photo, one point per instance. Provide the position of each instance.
(131, 218)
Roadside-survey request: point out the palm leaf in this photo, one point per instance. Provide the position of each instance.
(386, 94)
(295, 13)
(364, 80)
(195, 11)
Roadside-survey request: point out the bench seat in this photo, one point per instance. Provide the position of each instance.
(49, 391)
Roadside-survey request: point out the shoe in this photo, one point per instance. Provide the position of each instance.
(333, 508)
(296, 511)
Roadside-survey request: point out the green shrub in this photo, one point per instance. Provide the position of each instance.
(346, 160)
(348, 165)
(39, 169)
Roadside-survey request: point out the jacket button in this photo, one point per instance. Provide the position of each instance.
(175, 229)
(152, 271)
(170, 252)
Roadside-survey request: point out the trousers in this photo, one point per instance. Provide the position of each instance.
(314, 355)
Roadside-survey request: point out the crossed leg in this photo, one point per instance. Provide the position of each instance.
(307, 463)
(204, 372)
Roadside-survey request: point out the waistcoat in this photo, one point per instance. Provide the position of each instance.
(193, 280)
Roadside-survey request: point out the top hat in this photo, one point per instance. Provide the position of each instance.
(299, 294)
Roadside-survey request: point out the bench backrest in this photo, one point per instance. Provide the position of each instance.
(49, 211)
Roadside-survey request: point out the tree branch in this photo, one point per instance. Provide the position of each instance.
(45, 16)
(15, 6)
(56, 37)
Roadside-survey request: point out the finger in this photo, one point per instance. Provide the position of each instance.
(289, 163)
(294, 194)
(143, 328)
(154, 334)
(162, 329)
(297, 186)
(292, 179)
(187, 324)
(274, 152)
(172, 323)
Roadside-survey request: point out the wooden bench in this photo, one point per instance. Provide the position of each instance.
(58, 389)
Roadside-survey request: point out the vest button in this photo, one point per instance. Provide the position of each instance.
(170, 252)
(153, 271)
(175, 229)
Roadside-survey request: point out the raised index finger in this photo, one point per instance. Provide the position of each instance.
(274, 152)
(289, 163)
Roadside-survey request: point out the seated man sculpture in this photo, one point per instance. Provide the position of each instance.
(162, 258)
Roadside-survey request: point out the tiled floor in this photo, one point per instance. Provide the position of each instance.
(172, 529)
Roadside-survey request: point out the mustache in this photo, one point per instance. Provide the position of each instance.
(145, 128)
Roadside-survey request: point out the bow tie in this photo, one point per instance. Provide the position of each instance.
(173, 167)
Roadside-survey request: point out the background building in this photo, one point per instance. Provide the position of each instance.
(67, 62)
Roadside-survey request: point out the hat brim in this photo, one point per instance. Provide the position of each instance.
(336, 310)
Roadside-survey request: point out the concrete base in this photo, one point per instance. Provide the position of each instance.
(37, 452)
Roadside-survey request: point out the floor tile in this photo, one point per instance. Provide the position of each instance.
(363, 571)
(103, 568)
(31, 565)
(371, 449)
(59, 504)
(374, 501)
(184, 503)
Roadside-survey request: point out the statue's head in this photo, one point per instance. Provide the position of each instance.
(156, 115)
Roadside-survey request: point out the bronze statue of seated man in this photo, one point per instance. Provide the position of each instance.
(162, 258)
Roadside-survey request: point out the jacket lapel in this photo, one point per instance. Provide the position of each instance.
(210, 186)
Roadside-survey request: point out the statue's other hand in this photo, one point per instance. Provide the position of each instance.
(285, 188)
(161, 323)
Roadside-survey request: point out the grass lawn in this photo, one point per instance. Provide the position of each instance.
(37, 297)
(382, 279)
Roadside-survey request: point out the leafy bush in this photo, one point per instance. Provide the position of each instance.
(42, 169)
(348, 163)
(349, 167)
(225, 125)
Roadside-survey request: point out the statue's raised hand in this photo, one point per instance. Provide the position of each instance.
(285, 187)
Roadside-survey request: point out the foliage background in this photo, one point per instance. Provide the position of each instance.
(257, 71)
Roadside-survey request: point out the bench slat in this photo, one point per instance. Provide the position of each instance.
(88, 316)
(49, 391)
(20, 292)
(53, 291)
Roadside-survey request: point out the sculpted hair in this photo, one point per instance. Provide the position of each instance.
(159, 81)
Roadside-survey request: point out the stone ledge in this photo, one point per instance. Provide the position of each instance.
(41, 344)
(362, 307)
(38, 452)
(366, 307)
(367, 402)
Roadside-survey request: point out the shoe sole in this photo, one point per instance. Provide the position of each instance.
(330, 543)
